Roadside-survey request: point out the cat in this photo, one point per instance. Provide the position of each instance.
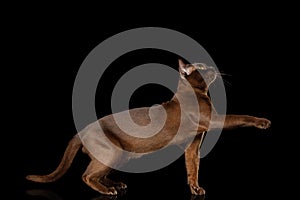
(193, 78)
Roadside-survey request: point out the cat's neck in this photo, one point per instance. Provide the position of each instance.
(187, 95)
(184, 88)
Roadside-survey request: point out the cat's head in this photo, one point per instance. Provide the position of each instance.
(199, 75)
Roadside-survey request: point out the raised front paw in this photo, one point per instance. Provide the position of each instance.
(262, 123)
(196, 190)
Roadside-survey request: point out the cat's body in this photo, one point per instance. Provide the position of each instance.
(192, 127)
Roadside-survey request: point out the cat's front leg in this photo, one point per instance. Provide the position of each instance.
(192, 162)
(236, 121)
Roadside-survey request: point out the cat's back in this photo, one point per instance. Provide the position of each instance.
(137, 116)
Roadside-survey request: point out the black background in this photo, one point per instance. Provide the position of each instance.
(44, 57)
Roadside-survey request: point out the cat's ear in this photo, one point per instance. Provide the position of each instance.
(184, 69)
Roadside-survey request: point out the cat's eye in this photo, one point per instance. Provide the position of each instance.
(201, 67)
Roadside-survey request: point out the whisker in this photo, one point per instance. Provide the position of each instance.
(223, 74)
(227, 83)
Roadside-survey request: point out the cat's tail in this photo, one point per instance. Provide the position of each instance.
(70, 152)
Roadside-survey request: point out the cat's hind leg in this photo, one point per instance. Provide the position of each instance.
(93, 175)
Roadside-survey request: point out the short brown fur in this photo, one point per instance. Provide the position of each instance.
(96, 173)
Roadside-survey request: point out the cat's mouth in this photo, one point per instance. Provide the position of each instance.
(208, 73)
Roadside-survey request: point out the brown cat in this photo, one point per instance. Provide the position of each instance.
(96, 173)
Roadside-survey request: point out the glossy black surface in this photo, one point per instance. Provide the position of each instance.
(241, 164)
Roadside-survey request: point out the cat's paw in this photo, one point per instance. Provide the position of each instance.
(262, 123)
(196, 190)
(120, 186)
(111, 191)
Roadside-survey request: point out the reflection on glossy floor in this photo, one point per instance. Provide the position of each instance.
(51, 195)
